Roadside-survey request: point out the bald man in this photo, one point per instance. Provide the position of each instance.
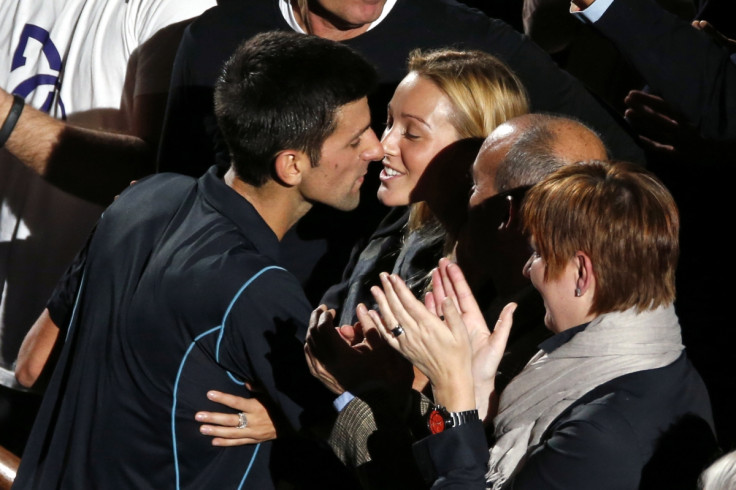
(492, 249)
(516, 155)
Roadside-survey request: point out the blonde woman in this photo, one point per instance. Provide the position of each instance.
(439, 114)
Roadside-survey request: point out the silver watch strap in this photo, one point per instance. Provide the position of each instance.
(460, 418)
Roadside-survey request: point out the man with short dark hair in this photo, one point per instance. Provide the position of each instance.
(181, 290)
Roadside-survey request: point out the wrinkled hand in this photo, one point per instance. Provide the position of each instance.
(448, 281)
(352, 357)
(322, 335)
(223, 426)
(443, 353)
(659, 126)
(487, 354)
(707, 27)
(118, 195)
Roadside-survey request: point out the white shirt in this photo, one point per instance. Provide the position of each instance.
(68, 58)
(288, 12)
(594, 11)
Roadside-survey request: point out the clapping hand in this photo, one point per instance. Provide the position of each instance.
(353, 357)
(446, 338)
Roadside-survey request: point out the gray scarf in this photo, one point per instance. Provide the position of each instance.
(614, 344)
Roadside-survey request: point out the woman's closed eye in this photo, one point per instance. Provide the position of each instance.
(411, 137)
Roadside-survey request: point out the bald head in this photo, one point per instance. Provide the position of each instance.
(573, 141)
(525, 149)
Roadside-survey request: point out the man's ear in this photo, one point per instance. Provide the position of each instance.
(513, 207)
(289, 167)
(510, 213)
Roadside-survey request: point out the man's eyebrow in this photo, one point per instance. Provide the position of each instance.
(360, 131)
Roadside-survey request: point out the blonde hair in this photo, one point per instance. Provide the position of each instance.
(483, 92)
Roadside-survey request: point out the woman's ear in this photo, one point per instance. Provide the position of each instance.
(289, 167)
(585, 274)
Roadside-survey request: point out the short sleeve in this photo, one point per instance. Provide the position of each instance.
(156, 31)
(151, 16)
(62, 300)
(263, 342)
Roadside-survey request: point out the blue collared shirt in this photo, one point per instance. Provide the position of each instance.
(594, 11)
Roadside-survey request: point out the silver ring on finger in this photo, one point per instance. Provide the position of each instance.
(397, 330)
(242, 421)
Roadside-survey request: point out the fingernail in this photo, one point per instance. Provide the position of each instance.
(205, 430)
(211, 395)
(200, 417)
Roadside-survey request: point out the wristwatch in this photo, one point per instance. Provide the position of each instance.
(439, 419)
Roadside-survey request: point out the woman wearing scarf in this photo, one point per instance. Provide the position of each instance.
(611, 400)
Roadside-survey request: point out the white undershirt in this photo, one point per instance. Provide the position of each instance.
(288, 12)
(594, 11)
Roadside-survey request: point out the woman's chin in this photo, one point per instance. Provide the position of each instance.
(390, 199)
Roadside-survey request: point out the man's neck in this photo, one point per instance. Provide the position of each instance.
(315, 20)
(277, 205)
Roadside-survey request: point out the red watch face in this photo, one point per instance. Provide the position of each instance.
(436, 422)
